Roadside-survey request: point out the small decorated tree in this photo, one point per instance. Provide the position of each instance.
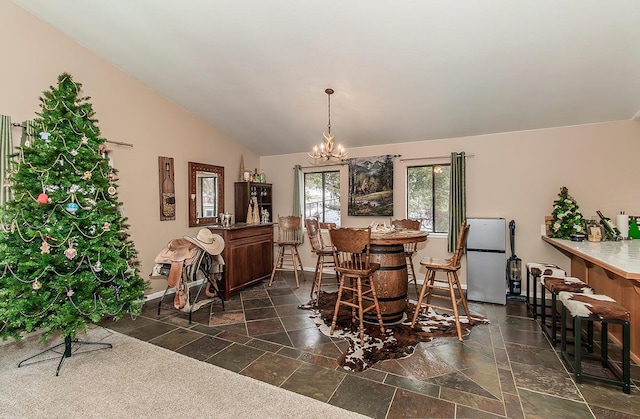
(566, 217)
(66, 259)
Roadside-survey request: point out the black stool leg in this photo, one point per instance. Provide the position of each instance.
(535, 296)
(604, 343)
(554, 319)
(563, 330)
(626, 358)
(577, 344)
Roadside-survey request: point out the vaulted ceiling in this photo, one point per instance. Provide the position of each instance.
(401, 70)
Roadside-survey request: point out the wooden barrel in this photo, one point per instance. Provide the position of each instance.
(390, 282)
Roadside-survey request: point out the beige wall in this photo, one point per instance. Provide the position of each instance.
(35, 54)
(514, 175)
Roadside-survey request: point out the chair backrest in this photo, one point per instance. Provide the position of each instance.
(313, 232)
(408, 224)
(462, 241)
(289, 229)
(351, 247)
(327, 226)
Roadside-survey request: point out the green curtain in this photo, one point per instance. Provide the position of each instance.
(457, 198)
(6, 149)
(298, 196)
(298, 183)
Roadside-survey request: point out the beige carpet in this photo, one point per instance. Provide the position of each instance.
(136, 379)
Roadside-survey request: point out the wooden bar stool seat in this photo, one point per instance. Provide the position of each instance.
(410, 249)
(605, 310)
(555, 285)
(351, 253)
(289, 238)
(534, 271)
(452, 289)
(323, 253)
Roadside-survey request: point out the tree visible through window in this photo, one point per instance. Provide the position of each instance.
(428, 196)
(322, 196)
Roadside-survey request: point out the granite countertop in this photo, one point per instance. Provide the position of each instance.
(622, 256)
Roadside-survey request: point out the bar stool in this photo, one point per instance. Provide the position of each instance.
(289, 238)
(351, 247)
(603, 309)
(409, 248)
(450, 267)
(555, 285)
(322, 251)
(534, 272)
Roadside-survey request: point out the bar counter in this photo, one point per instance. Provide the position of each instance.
(611, 268)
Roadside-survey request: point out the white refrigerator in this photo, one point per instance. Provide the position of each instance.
(487, 260)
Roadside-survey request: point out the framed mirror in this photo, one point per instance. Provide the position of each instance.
(206, 194)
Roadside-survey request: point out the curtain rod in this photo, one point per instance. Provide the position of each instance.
(15, 124)
(434, 157)
(344, 161)
(323, 165)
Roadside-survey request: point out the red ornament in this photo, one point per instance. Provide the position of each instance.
(43, 198)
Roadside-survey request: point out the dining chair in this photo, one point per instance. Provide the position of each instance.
(288, 239)
(410, 249)
(450, 267)
(351, 254)
(324, 255)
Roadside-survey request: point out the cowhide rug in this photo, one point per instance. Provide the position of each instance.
(399, 340)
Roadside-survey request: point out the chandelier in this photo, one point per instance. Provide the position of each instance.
(327, 149)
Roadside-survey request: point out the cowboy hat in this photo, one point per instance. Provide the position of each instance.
(209, 242)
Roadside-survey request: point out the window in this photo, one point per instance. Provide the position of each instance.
(322, 196)
(428, 196)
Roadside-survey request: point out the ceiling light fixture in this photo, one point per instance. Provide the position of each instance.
(327, 150)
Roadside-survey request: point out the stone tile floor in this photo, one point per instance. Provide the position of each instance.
(505, 369)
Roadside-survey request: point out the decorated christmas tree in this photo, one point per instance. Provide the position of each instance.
(566, 217)
(66, 259)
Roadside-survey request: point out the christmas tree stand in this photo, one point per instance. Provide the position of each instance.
(68, 344)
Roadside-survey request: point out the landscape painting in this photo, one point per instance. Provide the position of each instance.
(371, 186)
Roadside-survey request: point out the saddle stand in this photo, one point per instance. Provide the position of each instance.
(183, 264)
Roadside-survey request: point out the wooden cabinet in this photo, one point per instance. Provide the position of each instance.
(248, 255)
(244, 191)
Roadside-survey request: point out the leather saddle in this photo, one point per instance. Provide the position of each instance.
(178, 253)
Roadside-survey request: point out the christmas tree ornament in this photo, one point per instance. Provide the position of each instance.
(111, 175)
(111, 190)
(106, 227)
(43, 198)
(27, 143)
(97, 267)
(72, 207)
(70, 293)
(45, 136)
(7, 182)
(87, 175)
(36, 285)
(45, 248)
(85, 140)
(74, 153)
(70, 253)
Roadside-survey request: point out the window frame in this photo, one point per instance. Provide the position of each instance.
(323, 173)
(433, 194)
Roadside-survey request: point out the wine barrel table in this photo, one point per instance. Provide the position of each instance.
(391, 280)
